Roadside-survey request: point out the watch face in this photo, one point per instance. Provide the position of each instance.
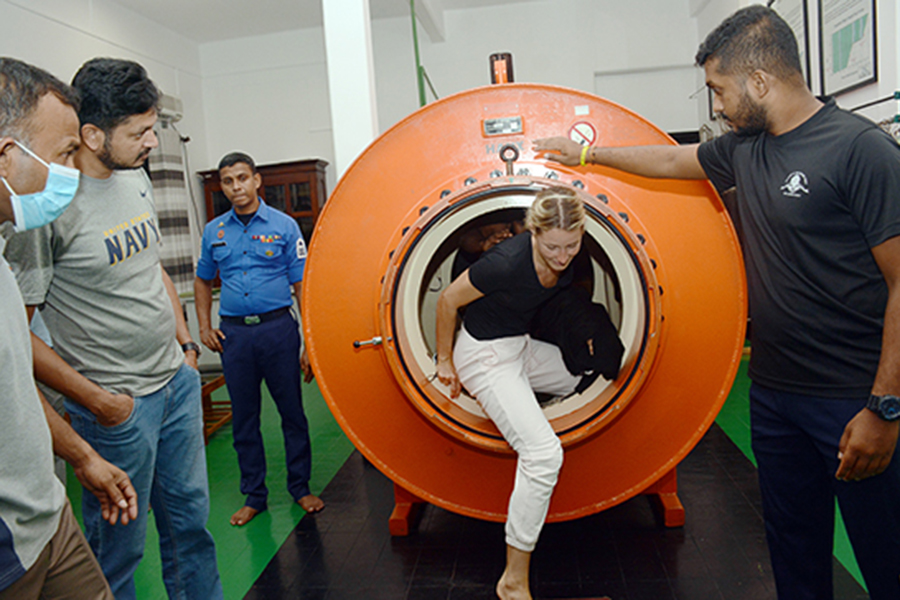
(890, 407)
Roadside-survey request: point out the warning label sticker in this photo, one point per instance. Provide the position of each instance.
(583, 133)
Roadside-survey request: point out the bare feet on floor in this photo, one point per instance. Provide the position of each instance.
(510, 590)
(311, 504)
(243, 516)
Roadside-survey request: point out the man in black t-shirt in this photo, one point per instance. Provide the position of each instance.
(817, 207)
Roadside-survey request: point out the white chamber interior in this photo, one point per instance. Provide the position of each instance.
(617, 284)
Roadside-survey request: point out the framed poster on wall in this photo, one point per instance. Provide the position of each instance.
(847, 44)
(795, 14)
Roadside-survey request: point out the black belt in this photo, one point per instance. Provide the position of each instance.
(256, 319)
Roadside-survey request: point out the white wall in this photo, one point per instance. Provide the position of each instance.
(709, 13)
(268, 96)
(60, 35)
(582, 44)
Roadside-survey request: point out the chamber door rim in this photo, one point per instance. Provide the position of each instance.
(609, 223)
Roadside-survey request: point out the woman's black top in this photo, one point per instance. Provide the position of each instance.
(512, 291)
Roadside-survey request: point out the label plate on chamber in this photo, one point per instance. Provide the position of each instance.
(502, 126)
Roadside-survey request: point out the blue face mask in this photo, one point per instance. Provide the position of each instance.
(37, 209)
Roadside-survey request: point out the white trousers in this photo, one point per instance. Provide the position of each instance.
(503, 374)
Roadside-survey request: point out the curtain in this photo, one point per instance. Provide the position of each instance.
(177, 223)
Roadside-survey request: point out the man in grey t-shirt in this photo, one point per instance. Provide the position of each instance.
(123, 355)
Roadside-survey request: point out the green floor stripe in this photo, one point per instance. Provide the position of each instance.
(734, 419)
(243, 552)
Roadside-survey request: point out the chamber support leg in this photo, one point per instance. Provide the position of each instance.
(665, 495)
(406, 508)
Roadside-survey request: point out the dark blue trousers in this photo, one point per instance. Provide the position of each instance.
(268, 351)
(795, 441)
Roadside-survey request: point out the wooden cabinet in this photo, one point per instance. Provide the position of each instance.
(296, 188)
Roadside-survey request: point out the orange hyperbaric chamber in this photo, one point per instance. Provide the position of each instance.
(665, 262)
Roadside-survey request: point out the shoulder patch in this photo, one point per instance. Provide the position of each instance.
(301, 248)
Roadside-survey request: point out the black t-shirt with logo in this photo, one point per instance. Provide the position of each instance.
(809, 206)
(512, 291)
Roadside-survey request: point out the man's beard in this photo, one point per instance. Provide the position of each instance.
(753, 117)
(113, 164)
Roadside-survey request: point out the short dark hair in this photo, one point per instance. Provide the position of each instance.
(21, 88)
(112, 90)
(755, 37)
(233, 158)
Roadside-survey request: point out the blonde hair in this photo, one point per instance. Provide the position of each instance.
(555, 208)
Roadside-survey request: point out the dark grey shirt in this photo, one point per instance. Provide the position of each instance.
(809, 206)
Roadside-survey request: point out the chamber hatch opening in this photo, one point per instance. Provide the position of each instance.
(609, 266)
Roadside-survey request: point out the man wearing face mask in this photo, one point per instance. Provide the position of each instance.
(42, 550)
(124, 357)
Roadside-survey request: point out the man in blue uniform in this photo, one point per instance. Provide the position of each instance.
(259, 253)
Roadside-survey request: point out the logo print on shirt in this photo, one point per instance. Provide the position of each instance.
(134, 232)
(795, 185)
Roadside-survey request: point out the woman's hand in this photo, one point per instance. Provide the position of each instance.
(446, 374)
(458, 294)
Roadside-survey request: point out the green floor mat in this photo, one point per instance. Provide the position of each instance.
(243, 552)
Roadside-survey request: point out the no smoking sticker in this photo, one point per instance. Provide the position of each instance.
(583, 133)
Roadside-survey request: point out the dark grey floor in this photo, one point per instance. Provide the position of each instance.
(346, 552)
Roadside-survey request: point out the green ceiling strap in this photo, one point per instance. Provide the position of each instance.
(420, 77)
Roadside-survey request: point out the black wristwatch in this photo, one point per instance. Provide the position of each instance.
(191, 346)
(887, 407)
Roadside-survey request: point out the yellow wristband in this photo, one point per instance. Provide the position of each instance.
(584, 152)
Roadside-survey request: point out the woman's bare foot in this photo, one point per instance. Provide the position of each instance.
(243, 516)
(513, 584)
(311, 504)
(509, 590)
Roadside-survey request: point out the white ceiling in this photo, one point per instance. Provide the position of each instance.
(213, 20)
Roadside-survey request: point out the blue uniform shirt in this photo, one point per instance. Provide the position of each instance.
(257, 262)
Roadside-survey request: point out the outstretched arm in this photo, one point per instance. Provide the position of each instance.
(661, 161)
